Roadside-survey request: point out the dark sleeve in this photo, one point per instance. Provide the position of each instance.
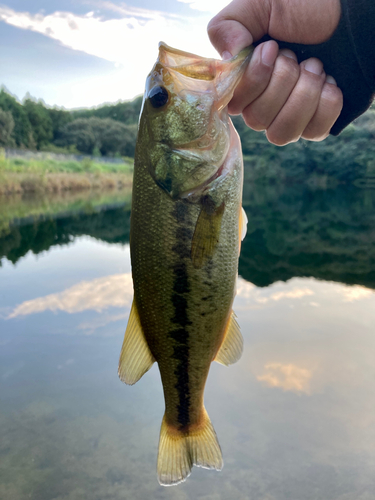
(349, 56)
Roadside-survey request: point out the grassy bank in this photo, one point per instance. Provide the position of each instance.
(22, 175)
(18, 209)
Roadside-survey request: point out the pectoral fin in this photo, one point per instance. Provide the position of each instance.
(231, 349)
(243, 224)
(135, 358)
(206, 234)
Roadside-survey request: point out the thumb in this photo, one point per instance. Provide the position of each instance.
(238, 25)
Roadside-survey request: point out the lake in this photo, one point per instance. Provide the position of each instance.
(295, 417)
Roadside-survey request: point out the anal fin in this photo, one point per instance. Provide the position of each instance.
(135, 358)
(231, 349)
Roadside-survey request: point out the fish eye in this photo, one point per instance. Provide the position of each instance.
(158, 96)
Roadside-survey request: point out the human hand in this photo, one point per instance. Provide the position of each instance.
(276, 94)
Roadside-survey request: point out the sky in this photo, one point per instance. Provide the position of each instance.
(82, 53)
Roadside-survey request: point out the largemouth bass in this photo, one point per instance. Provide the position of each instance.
(187, 223)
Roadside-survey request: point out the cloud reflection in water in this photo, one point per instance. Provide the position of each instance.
(97, 295)
(287, 377)
(117, 291)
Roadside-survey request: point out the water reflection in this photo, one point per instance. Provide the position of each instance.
(295, 417)
(98, 294)
(287, 377)
(292, 231)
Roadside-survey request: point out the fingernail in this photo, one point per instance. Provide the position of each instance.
(269, 54)
(288, 53)
(331, 80)
(226, 55)
(314, 66)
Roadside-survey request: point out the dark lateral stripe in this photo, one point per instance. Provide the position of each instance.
(181, 284)
(180, 334)
(181, 250)
(180, 211)
(181, 352)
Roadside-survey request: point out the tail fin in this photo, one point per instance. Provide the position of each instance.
(179, 451)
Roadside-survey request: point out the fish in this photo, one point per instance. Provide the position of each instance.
(187, 223)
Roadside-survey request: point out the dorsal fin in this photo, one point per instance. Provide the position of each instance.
(231, 349)
(135, 358)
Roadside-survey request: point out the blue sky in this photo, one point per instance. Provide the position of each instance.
(86, 52)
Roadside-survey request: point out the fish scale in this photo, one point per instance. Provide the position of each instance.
(184, 249)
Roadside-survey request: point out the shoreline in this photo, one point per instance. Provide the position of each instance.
(17, 208)
(23, 175)
(58, 182)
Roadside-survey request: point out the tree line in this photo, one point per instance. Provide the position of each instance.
(111, 130)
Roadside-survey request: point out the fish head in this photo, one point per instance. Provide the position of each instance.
(184, 118)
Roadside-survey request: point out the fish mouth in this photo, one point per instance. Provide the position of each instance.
(202, 72)
(225, 74)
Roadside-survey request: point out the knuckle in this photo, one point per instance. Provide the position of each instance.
(214, 29)
(332, 97)
(286, 69)
(235, 107)
(310, 134)
(309, 92)
(251, 120)
(277, 137)
(311, 84)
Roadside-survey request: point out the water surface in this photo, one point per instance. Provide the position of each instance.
(295, 416)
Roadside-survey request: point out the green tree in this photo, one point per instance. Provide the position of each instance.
(125, 112)
(22, 132)
(59, 118)
(6, 128)
(40, 121)
(106, 135)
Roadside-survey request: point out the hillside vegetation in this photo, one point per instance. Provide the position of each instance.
(110, 130)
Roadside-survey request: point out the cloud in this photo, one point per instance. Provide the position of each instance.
(129, 41)
(97, 295)
(213, 6)
(286, 377)
(129, 10)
